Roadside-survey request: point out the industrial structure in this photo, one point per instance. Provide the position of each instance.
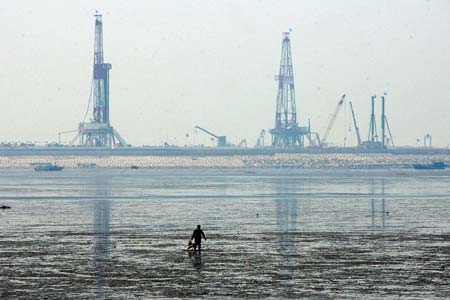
(221, 139)
(287, 135)
(287, 132)
(373, 142)
(385, 125)
(355, 124)
(99, 132)
(427, 139)
(323, 143)
(331, 122)
(372, 139)
(260, 142)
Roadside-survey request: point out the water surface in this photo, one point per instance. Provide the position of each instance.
(281, 234)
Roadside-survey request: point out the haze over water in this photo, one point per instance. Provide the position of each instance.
(111, 233)
(180, 64)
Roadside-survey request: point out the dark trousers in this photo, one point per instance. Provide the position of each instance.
(198, 243)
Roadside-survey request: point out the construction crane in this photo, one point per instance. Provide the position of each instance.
(358, 136)
(221, 140)
(64, 132)
(243, 143)
(332, 120)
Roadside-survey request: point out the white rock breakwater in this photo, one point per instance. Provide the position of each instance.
(303, 160)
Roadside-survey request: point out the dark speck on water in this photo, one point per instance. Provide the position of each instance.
(120, 234)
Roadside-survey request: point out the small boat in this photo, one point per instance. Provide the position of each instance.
(86, 165)
(48, 167)
(437, 165)
(134, 167)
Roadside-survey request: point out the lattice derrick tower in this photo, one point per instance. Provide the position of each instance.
(286, 133)
(100, 81)
(98, 132)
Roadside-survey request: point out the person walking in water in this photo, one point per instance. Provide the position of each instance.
(197, 236)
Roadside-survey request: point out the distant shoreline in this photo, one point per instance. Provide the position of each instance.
(11, 151)
(283, 160)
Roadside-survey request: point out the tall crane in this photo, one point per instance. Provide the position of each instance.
(221, 140)
(333, 119)
(384, 123)
(358, 136)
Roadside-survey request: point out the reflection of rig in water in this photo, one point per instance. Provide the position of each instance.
(286, 209)
(102, 243)
(378, 207)
(288, 206)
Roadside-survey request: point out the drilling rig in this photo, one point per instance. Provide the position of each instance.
(287, 132)
(99, 132)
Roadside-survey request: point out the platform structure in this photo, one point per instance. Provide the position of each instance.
(99, 132)
(99, 135)
(287, 132)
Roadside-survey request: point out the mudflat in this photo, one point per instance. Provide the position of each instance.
(272, 234)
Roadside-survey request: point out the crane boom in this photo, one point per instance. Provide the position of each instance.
(333, 119)
(243, 143)
(221, 139)
(65, 132)
(389, 130)
(358, 136)
(206, 131)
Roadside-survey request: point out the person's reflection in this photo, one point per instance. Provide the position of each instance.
(196, 259)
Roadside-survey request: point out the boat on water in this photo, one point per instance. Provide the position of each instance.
(87, 165)
(48, 167)
(437, 165)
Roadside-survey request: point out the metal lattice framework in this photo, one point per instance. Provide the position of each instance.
(100, 81)
(98, 132)
(287, 133)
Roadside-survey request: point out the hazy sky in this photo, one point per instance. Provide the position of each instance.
(177, 64)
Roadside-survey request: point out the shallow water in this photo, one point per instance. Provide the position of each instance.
(281, 234)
